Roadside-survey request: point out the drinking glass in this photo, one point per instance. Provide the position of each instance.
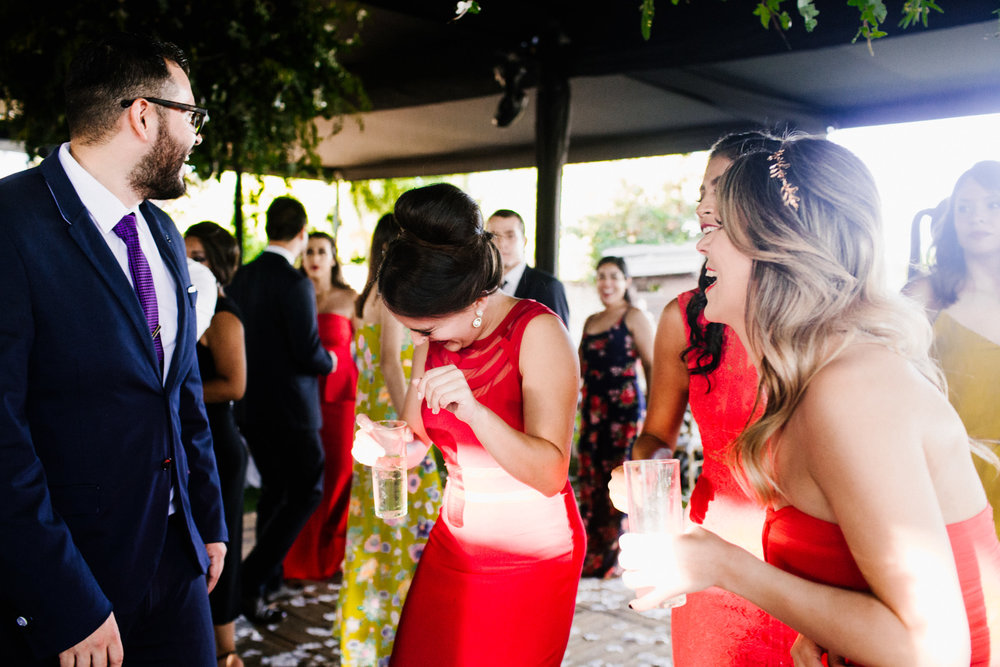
(653, 492)
(389, 471)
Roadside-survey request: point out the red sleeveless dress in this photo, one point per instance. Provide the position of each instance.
(318, 551)
(816, 550)
(497, 582)
(716, 627)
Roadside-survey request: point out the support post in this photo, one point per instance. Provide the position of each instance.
(552, 123)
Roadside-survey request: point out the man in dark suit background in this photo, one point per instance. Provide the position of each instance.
(519, 279)
(110, 509)
(280, 413)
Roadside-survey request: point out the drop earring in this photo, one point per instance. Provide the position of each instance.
(478, 322)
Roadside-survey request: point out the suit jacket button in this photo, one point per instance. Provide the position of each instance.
(22, 621)
(166, 464)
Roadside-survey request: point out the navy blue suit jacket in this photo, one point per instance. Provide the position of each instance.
(90, 436)
(284, 352)
(544, 288)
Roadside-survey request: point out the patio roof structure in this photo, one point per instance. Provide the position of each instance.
(595, 90)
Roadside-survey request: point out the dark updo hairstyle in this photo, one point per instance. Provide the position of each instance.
(622, 266)
(443, 259)
(221, 249)
(705, 340)
(386, 229)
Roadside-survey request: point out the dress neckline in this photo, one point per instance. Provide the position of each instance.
(504, 325)
(792, 509)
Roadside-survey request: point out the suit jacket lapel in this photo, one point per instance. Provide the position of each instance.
(164, 243)
(84, 232)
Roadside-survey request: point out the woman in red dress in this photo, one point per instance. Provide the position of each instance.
(704, 364)
(494, 387)
(318, 551)
(879, 540)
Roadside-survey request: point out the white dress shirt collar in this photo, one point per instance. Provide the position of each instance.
(104, 207)
(282, 251)
(512, 278)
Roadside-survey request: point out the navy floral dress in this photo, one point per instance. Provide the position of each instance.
(612, 408)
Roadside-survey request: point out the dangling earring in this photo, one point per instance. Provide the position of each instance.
(478, 322)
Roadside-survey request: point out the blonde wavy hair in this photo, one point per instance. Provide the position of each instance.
(809, 217)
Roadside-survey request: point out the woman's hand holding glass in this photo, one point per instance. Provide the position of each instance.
(367, 451)
(661, 566)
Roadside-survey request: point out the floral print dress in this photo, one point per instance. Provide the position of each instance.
(381, 555)
(612, 408)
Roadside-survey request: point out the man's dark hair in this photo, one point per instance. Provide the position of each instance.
(103, 73)
(285, 219)
(507, 213)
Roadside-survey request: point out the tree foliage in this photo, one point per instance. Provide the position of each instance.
(872, 14)
(638, 217)
(265, 70)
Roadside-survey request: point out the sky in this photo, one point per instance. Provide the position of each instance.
(915, 166)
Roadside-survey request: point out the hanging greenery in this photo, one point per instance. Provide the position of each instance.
(773, 14)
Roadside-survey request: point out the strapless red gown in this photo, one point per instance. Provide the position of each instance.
(716, 627)
(496, 584)
(816, 550)
(318, 551)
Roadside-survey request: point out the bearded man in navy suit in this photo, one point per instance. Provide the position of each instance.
(110, 510)
(519, 279)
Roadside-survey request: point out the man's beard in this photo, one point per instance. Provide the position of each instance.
(158, 174)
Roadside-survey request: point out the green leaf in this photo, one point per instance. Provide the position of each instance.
(808, 12)
(647, 18)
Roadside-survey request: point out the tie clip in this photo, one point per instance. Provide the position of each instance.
(156, 331)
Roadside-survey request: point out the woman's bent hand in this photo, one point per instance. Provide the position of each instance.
(445, 387)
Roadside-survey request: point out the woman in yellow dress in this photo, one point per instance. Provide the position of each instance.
(382, 555)
(961, 292)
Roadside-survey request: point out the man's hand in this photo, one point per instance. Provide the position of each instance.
(216, 555)
(103, 648)
(333, 360)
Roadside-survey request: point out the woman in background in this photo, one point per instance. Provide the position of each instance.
(494, 387)
(705, 364)
(318, 551)
(961, 293)
(615, 342)
(382, 555)
(223, 365)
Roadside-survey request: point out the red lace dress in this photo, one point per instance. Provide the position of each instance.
(816, 550)
(496, 584)
(318, 551)
(716, 627)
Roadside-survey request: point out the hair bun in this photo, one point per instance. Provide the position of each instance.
(439, 215)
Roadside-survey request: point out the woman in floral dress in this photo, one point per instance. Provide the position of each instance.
(615, 342)
(382, 555)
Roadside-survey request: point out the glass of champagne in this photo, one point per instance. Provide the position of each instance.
(653, 491)
(389, 471)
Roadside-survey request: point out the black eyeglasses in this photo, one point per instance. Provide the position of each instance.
(197, 116)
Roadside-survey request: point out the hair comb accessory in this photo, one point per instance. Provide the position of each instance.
(778, 167)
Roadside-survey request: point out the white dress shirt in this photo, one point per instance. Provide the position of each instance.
(512, 278)
(106, 210)
(284, 252)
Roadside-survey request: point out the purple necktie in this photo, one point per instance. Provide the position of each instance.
(142, 279)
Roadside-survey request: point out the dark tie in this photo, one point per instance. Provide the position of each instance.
(142, 279)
